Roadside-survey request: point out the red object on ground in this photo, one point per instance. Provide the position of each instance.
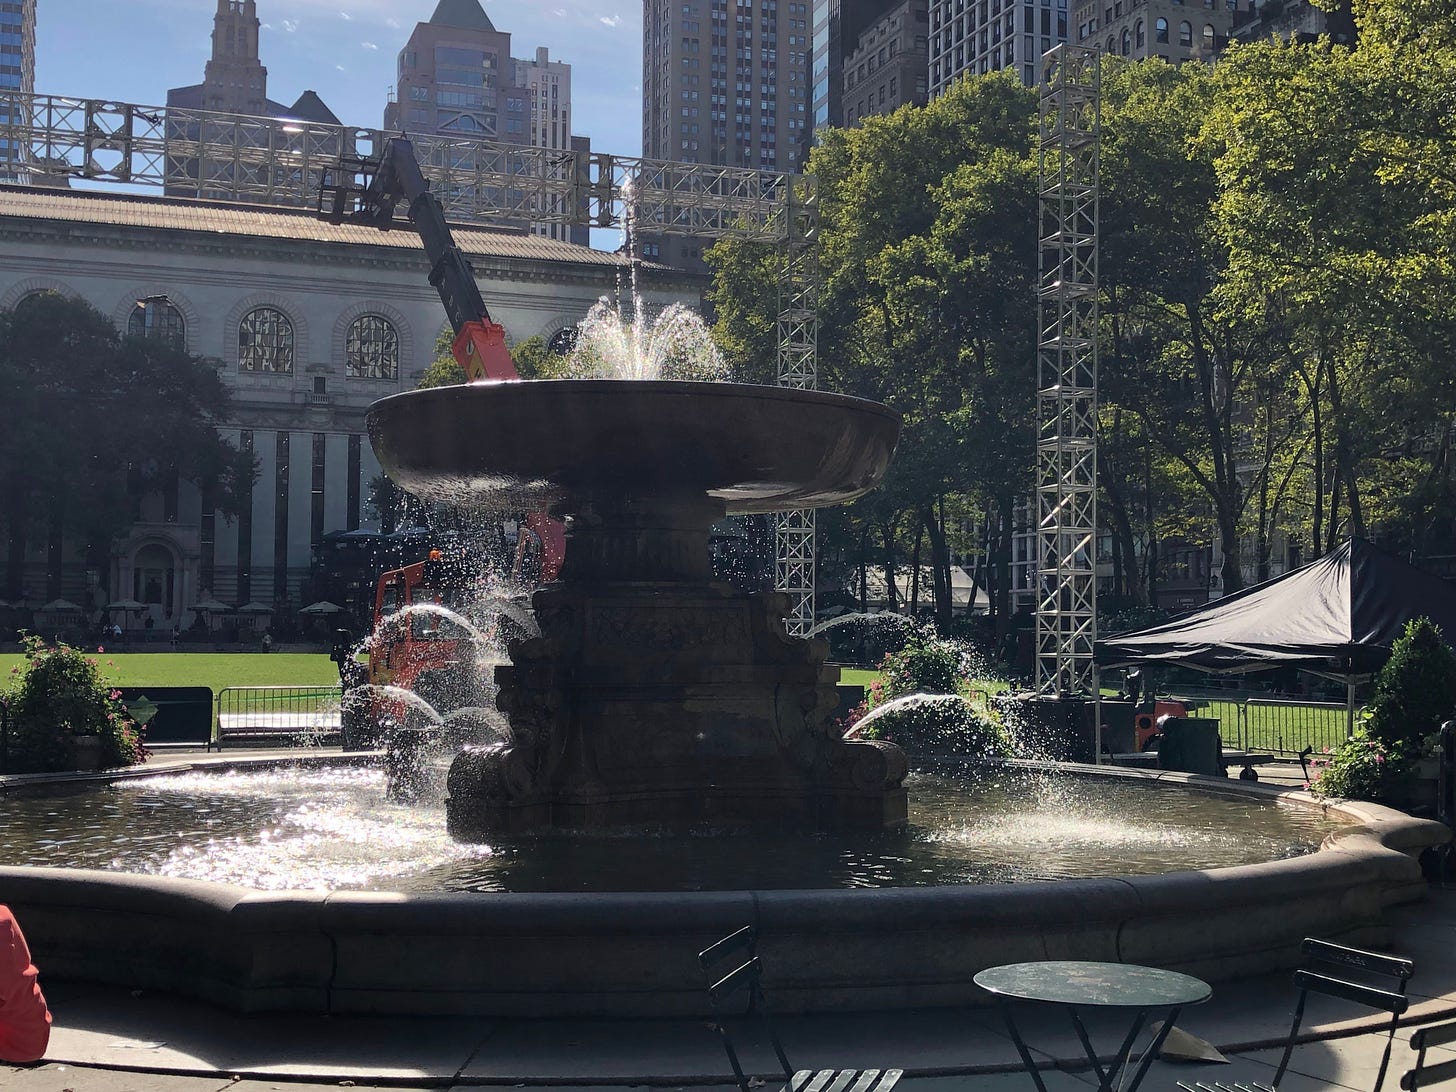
(25, 1021)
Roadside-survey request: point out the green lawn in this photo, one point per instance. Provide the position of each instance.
(213, 669)
(856, 676)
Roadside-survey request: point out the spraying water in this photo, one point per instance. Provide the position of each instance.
(621, 342)
(885, 618)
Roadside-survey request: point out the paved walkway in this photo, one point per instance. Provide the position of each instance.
(107, 1040)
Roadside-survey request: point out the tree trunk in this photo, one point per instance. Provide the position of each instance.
(892, 598)
(915, 570)
(940, 567)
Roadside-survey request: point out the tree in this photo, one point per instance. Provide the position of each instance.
(927, 271)
(97, 420)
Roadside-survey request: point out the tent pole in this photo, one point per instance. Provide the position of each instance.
(1349, 707)
(1097, 714)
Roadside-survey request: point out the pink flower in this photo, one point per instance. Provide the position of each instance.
(115, 695)
(1379, 758)
(100, 648)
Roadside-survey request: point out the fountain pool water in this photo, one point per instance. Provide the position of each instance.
(281, 828)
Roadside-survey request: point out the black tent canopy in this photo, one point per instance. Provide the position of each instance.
(1337, 616)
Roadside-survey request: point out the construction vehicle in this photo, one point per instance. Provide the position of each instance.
(416, 655)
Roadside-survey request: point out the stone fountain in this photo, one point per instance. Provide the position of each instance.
(653, 695)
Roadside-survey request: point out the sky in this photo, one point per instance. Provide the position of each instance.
(134, 50)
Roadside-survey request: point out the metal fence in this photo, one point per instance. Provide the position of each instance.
(283, 715)
(1273, 723)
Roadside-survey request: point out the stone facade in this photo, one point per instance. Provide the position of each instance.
(1175, 30)
(887, 68)
(308, 323)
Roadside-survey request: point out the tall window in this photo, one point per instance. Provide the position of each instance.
(1126, 43)
(1185, 34)
(372, 348)
(1142, 37)
(157, 317)
(1161, 29)
(1208, 37)
(265, 342)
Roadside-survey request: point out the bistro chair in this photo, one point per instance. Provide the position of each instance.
(1423, 1075)
(735, 989)
(1372, 979)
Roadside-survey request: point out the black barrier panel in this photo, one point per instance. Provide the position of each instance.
(173, 714)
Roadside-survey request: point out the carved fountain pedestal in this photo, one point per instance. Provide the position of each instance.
(654, 695)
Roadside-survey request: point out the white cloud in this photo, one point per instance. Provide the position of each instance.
(368, 45)
(392, 23)
(344, 15)
(610, 20)
(340, 68)
(290, 25)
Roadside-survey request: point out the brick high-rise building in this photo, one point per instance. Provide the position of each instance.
(726, 82)
(17, 72)
(980, 36)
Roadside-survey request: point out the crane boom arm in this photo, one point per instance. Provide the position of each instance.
(393, 179)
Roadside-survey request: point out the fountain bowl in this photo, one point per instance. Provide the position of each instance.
(520, 445)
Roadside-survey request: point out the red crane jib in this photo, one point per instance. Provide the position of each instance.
(480, 348)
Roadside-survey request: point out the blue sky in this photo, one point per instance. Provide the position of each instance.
(133, 50)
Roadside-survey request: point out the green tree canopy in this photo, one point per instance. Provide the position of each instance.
(94, 420)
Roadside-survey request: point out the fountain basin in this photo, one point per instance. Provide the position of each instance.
(526, 445)
(652, 693)
(633, 953)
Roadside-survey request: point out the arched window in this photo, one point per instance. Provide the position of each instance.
(1111, 46)
(1142, 34)
(1208, 37)
(157, 317)
(265, 342)
(1185, 34)
(1160, 30)
(1126, 42)
(372, 348)
(41, 294)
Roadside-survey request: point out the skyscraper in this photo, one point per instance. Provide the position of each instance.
(980, 36)
(17, 71)
(837, 27)
(723, 81)
(234, 81)
(457, 77)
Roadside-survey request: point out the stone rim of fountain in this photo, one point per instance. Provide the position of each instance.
(567, 954)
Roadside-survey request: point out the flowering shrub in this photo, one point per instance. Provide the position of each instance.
(926, 665)
(59, 693)
(1365, 768)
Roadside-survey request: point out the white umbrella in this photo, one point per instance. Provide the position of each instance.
(212, 606)
(255, 608)
(61, 606)
(126, 604)
(323, 606)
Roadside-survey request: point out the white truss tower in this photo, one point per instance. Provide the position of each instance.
(233, 157)
(798, 341)
(1066, 488)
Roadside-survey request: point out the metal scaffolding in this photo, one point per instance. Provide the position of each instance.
(1068, 156)
(279, 161)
